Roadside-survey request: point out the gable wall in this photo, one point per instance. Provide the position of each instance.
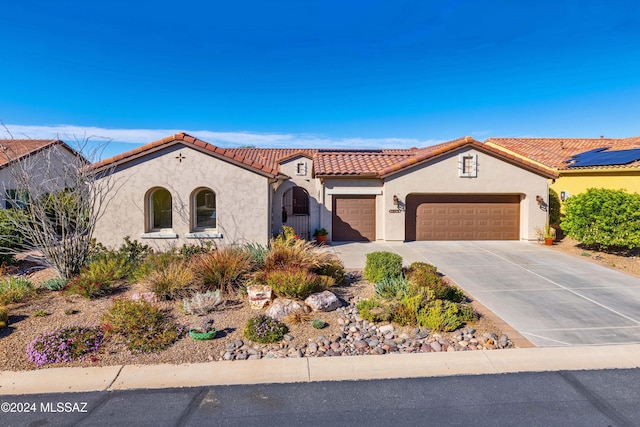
(242, 198)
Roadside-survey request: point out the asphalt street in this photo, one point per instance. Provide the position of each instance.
(565, 398)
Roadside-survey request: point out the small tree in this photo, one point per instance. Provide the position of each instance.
(63, 198)
(604, 218)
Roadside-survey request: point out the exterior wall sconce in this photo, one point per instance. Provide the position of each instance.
(395, 200)
(540, 200)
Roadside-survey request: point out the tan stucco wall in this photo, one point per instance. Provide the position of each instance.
(575, 183)
(494, 176)
(351, 186)
(242, 198)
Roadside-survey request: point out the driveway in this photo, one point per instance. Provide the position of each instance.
(551, 298)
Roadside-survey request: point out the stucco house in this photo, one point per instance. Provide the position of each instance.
(183, 190)
(44, 160)
(612, 163)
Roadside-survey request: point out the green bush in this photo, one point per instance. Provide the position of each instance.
(392, 288)
(15, 289)
(264, 329)
(318, 324)
(154, 261)
(189, 251)
(332, 268)
(142, 326)
(440, 315)
(4, 317)
(375, 310)
(603, 218)
(294, 282)
(55, 284)
(554, 207)
(382, 265)
(11, 240)
(257, 253)
(86, 287)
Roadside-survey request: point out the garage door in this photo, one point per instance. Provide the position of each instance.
(463, 217)
(354, 218)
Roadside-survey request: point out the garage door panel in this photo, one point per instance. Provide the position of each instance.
(353, 218)
(463, 217)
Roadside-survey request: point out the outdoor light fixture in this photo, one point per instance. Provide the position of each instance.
(395, 200)
(540, 200)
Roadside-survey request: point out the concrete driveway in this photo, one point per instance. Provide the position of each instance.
(551, 298)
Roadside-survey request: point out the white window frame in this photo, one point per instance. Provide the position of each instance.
(473, 173)
(301, 168)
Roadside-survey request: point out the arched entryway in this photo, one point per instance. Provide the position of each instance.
(295, 202)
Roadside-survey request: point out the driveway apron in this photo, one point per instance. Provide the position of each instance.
(551, 298)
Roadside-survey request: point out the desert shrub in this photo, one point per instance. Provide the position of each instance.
(426, 275)
(109, 267)
(65, 345)
(202, 303)
(40, 313)
(295, 253)
(392, 288)
(554, 207)
(225, 269)
(173, 280)
(189, 251)
(318, 324)
(257, 253)
(264, 329)
(467, 313)
(293, 282)
(603, 218)
(11, 239)
(152, 262)
(332, 268)
(85, 287)
(375, 310)
(382, 265)
(440, 315)
(123, 262)
(15, 289)
(4, 317)
(142, 327)
(297, 317)
(54, 284)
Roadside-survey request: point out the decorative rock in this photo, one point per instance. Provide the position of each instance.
(360, 344)
(425, 348)
(283, 306)
(323, 301)
(435, 346)
(259, 296)
(386, 329)
(288, 337)
(228, 356)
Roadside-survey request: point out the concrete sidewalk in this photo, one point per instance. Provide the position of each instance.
(66, 380)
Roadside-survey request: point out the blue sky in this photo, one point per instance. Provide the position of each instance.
(310, 73)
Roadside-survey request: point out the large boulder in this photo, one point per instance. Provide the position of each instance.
(323, 301)
(283, 306)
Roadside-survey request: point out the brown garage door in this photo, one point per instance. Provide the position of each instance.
(463, 217)
(354, 218)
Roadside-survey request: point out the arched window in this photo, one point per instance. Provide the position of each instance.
(160, 210)
(204, 210)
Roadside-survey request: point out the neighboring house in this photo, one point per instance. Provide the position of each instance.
(581, 163)
(181, 190)
(46, 159)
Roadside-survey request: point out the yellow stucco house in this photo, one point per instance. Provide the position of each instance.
(581, 163)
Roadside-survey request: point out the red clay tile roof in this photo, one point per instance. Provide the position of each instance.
(446, 147)
(271, 156)
(236, 156)
(355, 163)
(554, 152)
(15, 149)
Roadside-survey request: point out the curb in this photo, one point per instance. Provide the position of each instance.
(348, 368)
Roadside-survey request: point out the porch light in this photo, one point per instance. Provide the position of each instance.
(395, 200)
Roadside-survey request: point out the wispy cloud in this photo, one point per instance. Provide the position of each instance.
(70, 133)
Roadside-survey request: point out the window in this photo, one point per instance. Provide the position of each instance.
(301, 168)
(16, 199)
(468, 165)
(204, 208)
(161, 212)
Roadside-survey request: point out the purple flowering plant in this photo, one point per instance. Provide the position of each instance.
(265, 329)
(65, 345)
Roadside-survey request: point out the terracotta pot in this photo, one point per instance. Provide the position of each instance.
(548, 241)
(321, 240)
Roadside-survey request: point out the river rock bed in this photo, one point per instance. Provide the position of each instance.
(360, 337)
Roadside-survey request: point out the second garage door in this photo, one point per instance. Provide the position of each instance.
(463, 217)
(354, 218)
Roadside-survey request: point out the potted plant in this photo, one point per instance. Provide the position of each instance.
(549, 235)
(321, 235)
(204, 332)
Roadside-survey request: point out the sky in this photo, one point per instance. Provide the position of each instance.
(356, 74)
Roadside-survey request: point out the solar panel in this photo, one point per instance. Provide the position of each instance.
(601, 157)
